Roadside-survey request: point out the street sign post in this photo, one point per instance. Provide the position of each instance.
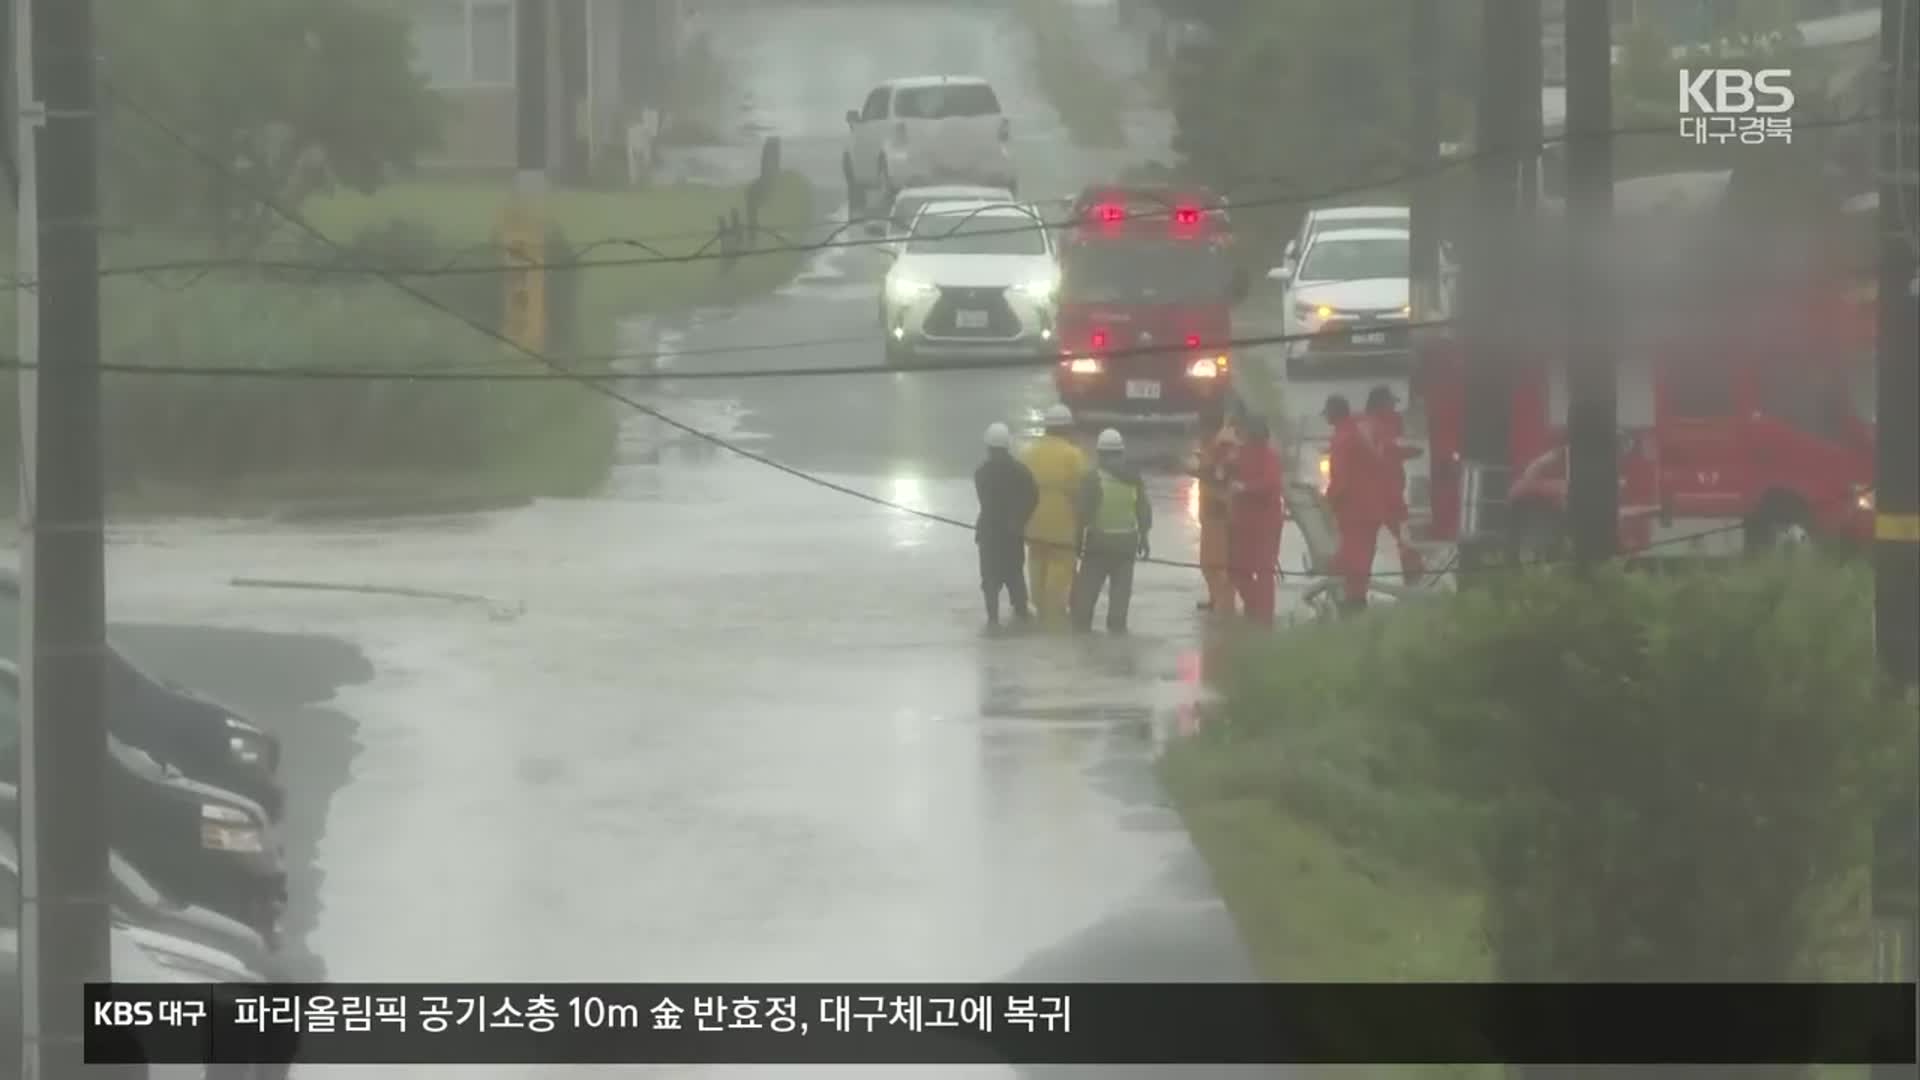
(523, 235)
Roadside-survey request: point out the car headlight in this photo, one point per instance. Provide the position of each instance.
(247, 751)
(1041, 291)
(1313, 314)
(249, 745)
(224, 828)
(1863, 497)
(906, 290)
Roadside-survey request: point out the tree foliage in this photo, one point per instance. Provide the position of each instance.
(297, 95)
(1305, 97)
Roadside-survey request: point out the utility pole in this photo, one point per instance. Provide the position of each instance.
(1593, 464)
(1423, 152)
(24, 101)
(1507, 35)
(1896, 548)
(530, 90)
(560, 114)
(64, 879)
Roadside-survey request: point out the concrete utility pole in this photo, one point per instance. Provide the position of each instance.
(560, 114)
(1423, 151)
(530, 89)
(1593, 480)
(64, 882)
(1896, 549)
(1509, 31)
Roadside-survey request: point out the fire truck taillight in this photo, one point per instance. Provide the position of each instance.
(1193, 341)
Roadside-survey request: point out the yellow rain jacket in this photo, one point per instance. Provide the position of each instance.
(1058, 466)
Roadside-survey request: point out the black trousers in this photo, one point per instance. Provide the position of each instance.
(1104, 563)
(1003, 565)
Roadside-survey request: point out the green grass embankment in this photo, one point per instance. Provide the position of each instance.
(1677, 776)
(183, 443)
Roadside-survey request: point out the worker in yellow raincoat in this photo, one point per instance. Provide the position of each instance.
(1058, 467)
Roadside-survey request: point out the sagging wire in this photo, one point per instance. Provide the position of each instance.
(615, 375)
(786, 244)
(215, 165)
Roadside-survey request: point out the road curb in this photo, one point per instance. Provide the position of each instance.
(384, 507)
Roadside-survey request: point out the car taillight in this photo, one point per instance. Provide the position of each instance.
(1111, 214)
(1006, 129)
(1098, 339)
(1193, 341)
(1186, 215)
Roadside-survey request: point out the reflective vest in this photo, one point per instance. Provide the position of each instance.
(1116, 515)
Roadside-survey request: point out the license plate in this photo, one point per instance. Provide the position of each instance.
(1378, 337)
(970, 320)
(1143, 388)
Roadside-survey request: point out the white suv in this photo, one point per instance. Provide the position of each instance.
(926, 130)
(972, 279)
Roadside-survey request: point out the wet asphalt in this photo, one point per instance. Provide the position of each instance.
(716, 722)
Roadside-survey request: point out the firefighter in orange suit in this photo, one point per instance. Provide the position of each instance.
(1212, 469)
(1058, 467)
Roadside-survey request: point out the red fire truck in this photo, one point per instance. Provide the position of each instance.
(1147, 281)
(1745, 399)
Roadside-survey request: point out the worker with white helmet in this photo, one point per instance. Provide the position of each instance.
(1007, 497)
(1058, 467)
(1114, 520)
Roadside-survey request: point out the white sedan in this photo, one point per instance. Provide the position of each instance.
(971, 279)
(1351, 292)
(908, 204)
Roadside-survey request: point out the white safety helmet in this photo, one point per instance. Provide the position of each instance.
(1110, 442)
(1059, 416)
(998, 436)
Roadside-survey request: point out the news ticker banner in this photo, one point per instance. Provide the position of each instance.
(955, 1024)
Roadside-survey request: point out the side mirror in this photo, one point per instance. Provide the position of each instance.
(1282, 273)
(853, 116)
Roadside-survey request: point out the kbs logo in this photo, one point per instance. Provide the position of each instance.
(1722, 104)
(1734, 92)
(123, 1014)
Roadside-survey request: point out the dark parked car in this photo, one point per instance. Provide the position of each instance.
(137, 954)
(198, 736)
(139, 901)
(198, 842)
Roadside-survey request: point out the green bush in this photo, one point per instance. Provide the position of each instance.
(220, 436)
(413, 248)
(1090, 101)
(1643, 777)
(1678, 769)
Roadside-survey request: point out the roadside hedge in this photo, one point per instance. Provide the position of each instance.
(192, 442)
(1634, 777)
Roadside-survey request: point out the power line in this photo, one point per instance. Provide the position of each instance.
(599, 387)
(562, 373)
(785, 244)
